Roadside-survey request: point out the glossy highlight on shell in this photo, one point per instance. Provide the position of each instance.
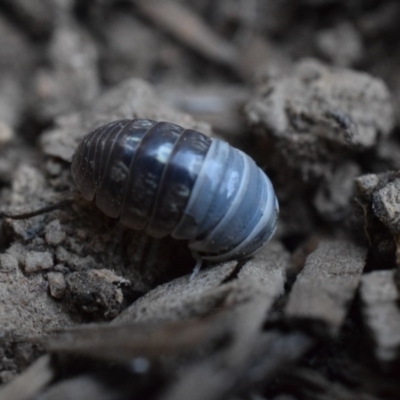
(163, 179)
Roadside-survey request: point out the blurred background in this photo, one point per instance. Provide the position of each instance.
(58, 55)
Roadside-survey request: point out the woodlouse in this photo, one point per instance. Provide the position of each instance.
(166, 180)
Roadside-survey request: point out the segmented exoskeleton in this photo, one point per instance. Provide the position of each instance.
(167, 180)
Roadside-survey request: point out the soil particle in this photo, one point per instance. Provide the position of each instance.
(8, 263)
(341, 44)
(37, 261)
(57, 284)
(380, 297)
(328, 282)
(377, 205)
(333, 197)
(95, 292)
(6, 134)
(317, 112)
(54, 234)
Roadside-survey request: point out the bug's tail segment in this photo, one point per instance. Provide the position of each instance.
(260, 235)
(248, 223)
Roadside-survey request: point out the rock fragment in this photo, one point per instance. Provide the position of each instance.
(319, 114)
(333, 197)
(95, 292)
(377, 209)
(57, 284)
(328, 282)
(386, 205)
(341, 44)
(180, 298)
(184, 298)
(8, 263)
(54, 234)
(6, 134)
(380, 297)
(38, 260)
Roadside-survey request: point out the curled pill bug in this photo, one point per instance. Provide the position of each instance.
(163, 179)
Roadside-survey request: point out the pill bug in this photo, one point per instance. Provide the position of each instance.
(163, 179)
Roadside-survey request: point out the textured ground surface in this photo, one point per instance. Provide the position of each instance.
(311, 90)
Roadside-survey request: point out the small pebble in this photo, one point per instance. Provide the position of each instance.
(367, 183)
(53, 167)
(57, 284)
(8, 263)
(61, 268)
(6, 134)
(54, 234)
(38, 260)
(7, 376)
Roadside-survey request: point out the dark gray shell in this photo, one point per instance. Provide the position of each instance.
(166, 180)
